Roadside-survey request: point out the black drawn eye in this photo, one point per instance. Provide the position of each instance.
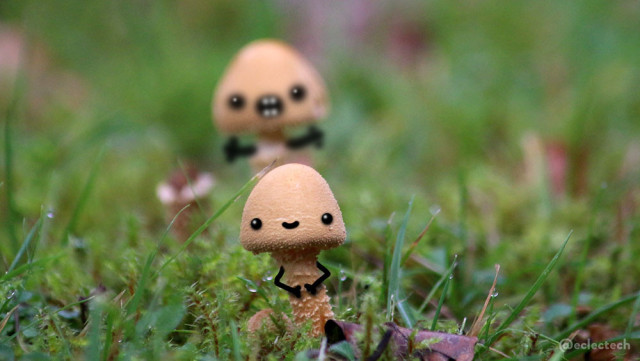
(298, 92)
(256, 223)
(327, 218)
(236, 101)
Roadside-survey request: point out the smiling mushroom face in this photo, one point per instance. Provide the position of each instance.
(291, 209)
(267, 86)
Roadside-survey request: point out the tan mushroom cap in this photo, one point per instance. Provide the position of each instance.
(291, 193)
(262, 68)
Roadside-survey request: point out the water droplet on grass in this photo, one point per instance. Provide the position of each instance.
(267, 276)
(343, 276)
(434, 210)
(252, 288)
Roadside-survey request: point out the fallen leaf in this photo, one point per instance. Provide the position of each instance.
(439, 345)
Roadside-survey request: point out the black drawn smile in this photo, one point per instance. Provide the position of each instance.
(291, 225)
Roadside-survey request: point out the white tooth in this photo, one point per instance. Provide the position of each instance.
(265, 101)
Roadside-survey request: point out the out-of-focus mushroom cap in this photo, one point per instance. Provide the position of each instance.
(268, 67)
(290, 193)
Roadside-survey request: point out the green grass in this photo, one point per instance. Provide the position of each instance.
(115, 96)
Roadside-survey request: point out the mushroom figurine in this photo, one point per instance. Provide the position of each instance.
(292, 214)
(267, 87)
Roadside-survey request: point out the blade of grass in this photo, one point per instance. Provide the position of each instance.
(84, 196)
(7, 317)
(632, 317)
(475, 327)
(529, 295)
(5, 303)
(237, 355)
(25, 245)
(108, 336)
(594, 315)
(440, 281)
(406, 313)
(434, 323)
(132, 306)
(387, 259)
(95, 319)
(395, 269)
(210, 220)
(413, 245)
(579, 276)
(28, 266)
(168, 229)
(142, 282)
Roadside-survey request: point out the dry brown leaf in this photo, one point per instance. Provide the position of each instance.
(407, 342)
(6, 318)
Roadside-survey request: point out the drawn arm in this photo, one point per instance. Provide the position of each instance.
(232, 149)
(293, 290)
(318, 282)
(314, 136)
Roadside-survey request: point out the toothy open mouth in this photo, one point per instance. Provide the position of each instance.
(291, 225)
(269, 106)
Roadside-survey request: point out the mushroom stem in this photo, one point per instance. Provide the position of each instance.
(300, 268)
(271, 146)
(275, 135)
(274, 146)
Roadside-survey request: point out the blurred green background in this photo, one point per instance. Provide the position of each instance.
(519, 120)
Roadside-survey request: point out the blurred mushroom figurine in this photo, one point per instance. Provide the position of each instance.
(267, 87)
(292, 214)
